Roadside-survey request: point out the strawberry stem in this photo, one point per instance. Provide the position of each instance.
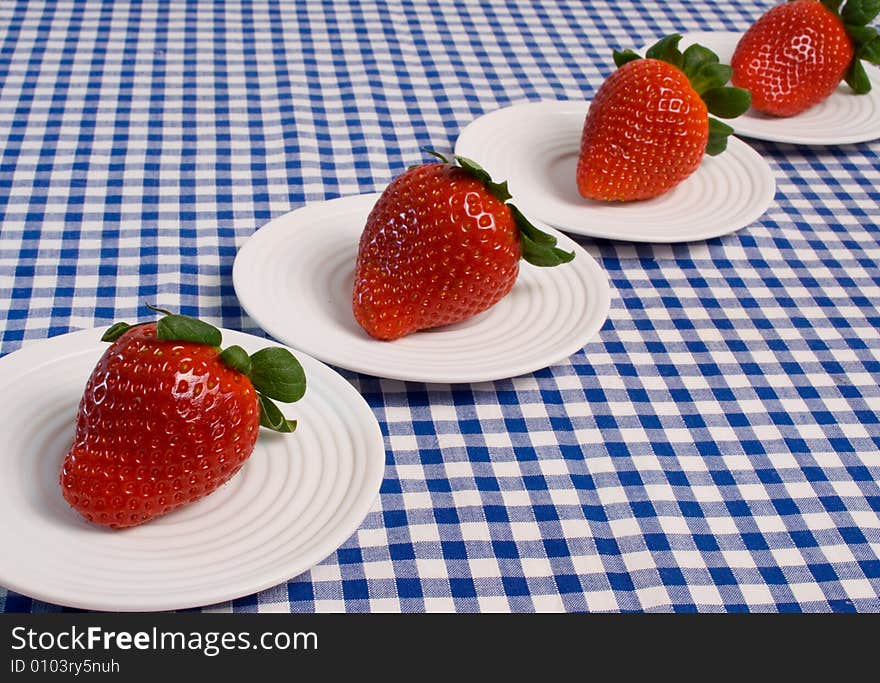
(156, 309)
(436, 154)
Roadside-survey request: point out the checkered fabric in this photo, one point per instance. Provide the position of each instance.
(715, 448)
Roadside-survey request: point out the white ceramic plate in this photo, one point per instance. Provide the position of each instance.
(295, 275)
(297, 498)
(843, 118)
(535, 146)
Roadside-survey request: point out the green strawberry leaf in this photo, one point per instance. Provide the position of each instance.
(710, 76)
(717, 127)
(666, 50)
(870, 51)
(542, 255)
(236, 358)
(861, 34)
(860, 12)
(728, 103)
(715, 146)
(272, 417)
(115, 331)
(175, 327)
(857, 78)
(622, 57)
(695, 58)
(538, 247)
(833, 5)
(276, 373)
(498, 189)
(718, 134)
(185, 328)
(535, 234)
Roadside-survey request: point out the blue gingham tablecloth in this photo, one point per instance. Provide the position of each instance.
(715, 448)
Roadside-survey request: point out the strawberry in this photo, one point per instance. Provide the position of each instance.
(794, 56)
(166, 418)
(440, 245)
(648, 126)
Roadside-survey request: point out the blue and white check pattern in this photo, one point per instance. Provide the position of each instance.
(715, 448)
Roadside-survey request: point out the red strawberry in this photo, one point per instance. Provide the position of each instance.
(794, 56)
(441, 245)
(166, 418)
(648, 126)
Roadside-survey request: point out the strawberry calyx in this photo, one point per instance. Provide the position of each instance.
(708, 78)
(537, 247)
(274, 372)
(855, 16)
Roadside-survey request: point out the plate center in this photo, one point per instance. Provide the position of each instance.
(558, 178)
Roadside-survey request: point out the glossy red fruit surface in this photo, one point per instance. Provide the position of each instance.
(438, 247)
(160, 424)
(645, 132)
(792, 58)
